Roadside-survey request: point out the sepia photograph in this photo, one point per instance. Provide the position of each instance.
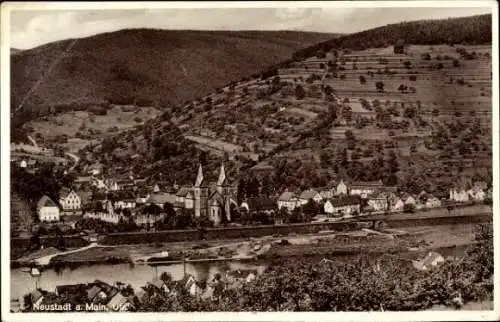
(293, 158)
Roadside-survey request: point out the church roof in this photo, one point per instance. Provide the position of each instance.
(199, 177)
(222, 176)
(45, 202)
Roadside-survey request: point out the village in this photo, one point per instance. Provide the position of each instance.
(116, 201)
(99, 296)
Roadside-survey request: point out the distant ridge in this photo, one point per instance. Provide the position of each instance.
(161, 66)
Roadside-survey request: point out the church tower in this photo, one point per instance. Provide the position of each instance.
(222, 180)
(198, 193)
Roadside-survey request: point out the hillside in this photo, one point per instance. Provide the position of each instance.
(418, 119)
(143, 66)
(474, 30)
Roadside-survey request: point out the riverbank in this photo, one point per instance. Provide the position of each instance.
(415, 240)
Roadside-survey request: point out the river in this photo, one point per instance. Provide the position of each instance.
(138, 275)
(135, 275)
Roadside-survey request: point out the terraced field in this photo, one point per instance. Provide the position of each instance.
(423, 89)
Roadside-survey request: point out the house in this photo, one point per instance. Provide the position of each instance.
(241, 276)
(459, 195)
(85, 197)
(159, 285)
(64, 290)
(342, 206)
(156, 188)
(378, 202)
(111, 185)
(95, 294)
(432, 259)
(326, 194)
(259, 205)
(36, 298)
(477, 192)
(120, 303)
(396, 204)
(161, 198)
(126, 203)
(184, 198)
(432, 202)
(364, 189)
(288, 200)
(190, 285)
(143, 220)
(47, 210)
(142, 198)
(408, 199)
(113, 218)
(306, 195)
(23, 164)
(142, 295)
(69, 200)
(341, 188)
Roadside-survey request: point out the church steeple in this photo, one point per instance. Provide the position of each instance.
(222, 175)
(199, 177)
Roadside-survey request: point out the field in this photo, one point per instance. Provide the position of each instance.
(81, 127)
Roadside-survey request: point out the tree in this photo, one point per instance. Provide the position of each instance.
(362, 79)
(253, 187)
(242, 190)
(267, 188)
(379, 86)
(169, 210)
(402, 88)
(300, 93)
(392, 162)
(349, 135)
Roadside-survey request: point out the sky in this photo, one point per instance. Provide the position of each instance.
(32, 28)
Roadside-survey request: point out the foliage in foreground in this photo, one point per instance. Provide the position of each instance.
(362, 284)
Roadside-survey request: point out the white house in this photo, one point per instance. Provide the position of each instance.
(113, 218)
(341, 188)
(459, 195)
(161, 198)
(364, 189)
(397, 204)
(344, 206)
(431, 260)
(189, 283)
(306, 195)
(476, 193)
(125, 204)
(288, 200)
(47, 210)
(23, 164)
(378, 202)
(69, 200)
(432, 202)
(184, 198)
(409, 200)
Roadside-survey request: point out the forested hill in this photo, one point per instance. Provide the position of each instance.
(148, 66)
(474, 30)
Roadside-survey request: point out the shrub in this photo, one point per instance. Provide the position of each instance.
(137, 119)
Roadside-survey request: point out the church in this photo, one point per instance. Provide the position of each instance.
(211, 199)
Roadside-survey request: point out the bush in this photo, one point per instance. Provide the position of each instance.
(362, 79)
(137, 119)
